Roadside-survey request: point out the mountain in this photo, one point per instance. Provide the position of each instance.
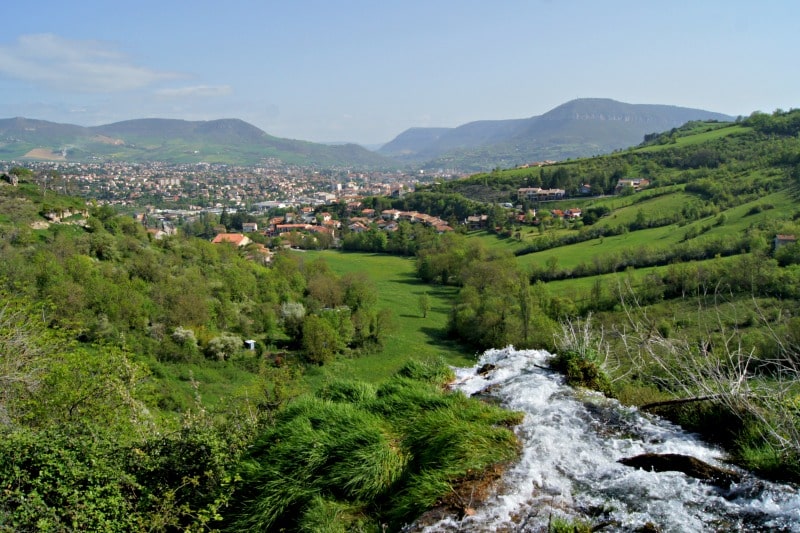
(229, 141)
(579, 128)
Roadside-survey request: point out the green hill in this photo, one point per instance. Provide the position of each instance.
(579, 128)
(229, 141)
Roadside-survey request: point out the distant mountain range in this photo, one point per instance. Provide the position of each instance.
(229, 141)
(578, 128)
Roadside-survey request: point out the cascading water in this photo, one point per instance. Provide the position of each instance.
(572, 442)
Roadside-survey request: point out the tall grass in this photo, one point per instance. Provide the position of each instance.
(355, 456)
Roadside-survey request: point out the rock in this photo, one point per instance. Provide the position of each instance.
(487, 394)
(485, 369)
(690, 466)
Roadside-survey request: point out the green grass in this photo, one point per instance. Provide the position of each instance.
(356, 456)
(652, 208)
(583, 252)
(412, 336)
(723, 130)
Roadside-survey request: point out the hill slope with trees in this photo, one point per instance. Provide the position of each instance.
(579, 128)
(230, 141)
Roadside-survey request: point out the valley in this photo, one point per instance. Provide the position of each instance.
(678, 298)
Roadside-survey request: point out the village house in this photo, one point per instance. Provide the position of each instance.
(783, 240)
(636, 183)
(237, 239)
(390, 214)
(332, 224)
(157, 234)
(357, 227)
(442, 228)
(249, 227)
(312, 228)
(537, 194)
(475, 222)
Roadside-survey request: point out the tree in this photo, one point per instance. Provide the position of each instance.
(225, 219)
(224, 346)
(292, 317)
(22, 351)
(424, 304)
(325, 291)
(320, 340)
(359, 291)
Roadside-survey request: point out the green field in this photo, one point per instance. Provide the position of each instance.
(714, 131)
(412, 336)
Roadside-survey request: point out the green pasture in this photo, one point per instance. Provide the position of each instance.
(778, 206)
(651, 208)
(413, 336)
(723, 130)
(585, 252)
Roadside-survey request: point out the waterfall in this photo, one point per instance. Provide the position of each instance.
(572, 441)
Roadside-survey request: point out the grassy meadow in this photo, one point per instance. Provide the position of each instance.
(412, 336)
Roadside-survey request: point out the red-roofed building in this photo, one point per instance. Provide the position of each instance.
(237, 239)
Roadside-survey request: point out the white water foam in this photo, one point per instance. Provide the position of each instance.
(572, 441)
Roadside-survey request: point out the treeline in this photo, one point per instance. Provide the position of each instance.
(645, 256)
(500, 303)
(405, 240)
(587, 230)
(496, 305)
(784, 123)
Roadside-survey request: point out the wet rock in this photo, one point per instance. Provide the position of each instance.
(691, 466)
(487, 394)
(485, 369)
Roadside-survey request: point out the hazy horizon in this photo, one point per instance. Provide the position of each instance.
(364, 72)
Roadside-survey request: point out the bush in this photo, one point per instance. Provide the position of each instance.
(223, 347)
(582, 371)
(57, 481)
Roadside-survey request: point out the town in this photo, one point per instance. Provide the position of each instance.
(216, 186)
(275, 202)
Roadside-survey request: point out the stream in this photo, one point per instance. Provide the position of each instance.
(572, 441)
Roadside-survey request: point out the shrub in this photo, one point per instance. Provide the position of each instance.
(582, 371)
(56, 481)
(223, 347)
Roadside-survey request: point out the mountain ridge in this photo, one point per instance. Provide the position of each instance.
(227, 140)
(578, 128)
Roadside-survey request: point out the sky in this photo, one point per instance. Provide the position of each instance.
(365, 71)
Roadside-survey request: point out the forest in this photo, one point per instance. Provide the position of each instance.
(131, 399)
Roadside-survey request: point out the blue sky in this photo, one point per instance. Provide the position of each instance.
(364, 71)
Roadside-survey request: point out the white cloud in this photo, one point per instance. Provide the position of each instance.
(198, 90)
(74, 66)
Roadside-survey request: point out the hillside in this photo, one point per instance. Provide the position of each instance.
(579, 128)
(229, 141)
